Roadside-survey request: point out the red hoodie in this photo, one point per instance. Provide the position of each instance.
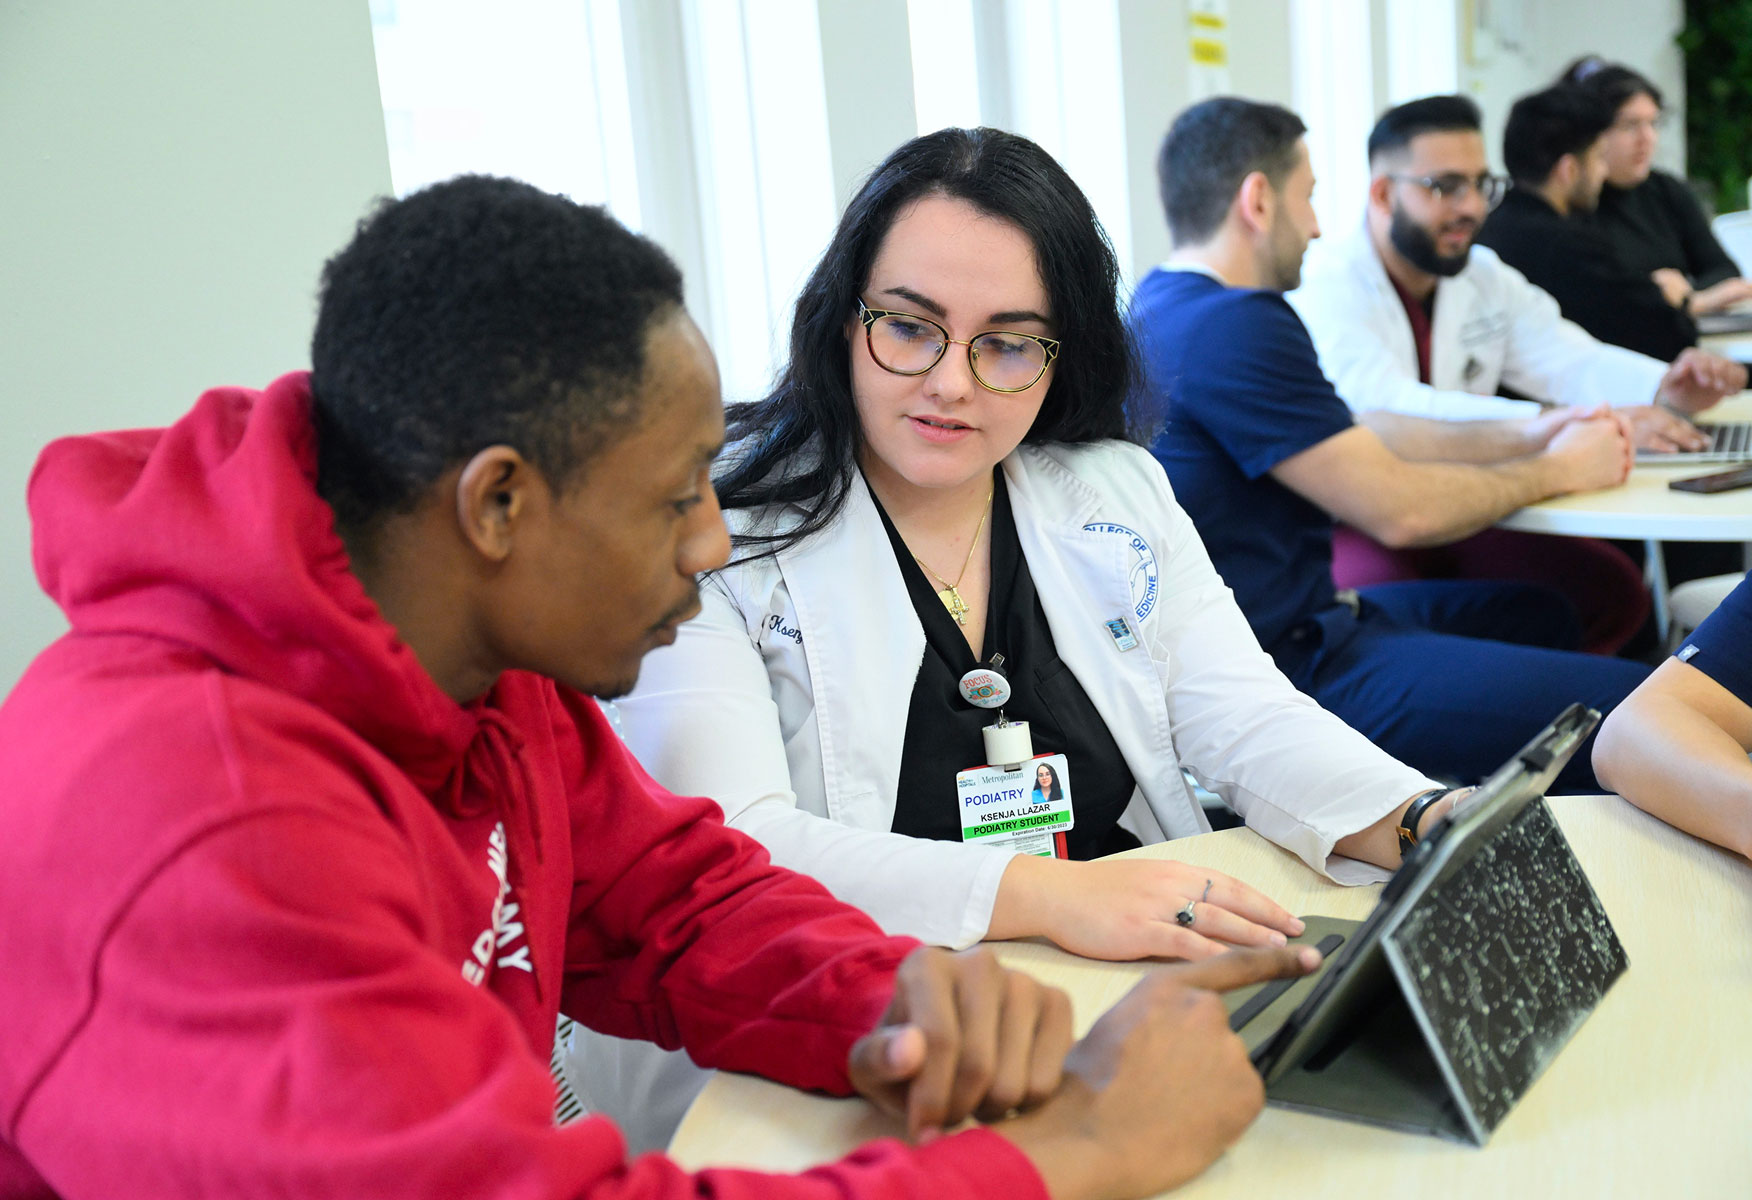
(280, 918)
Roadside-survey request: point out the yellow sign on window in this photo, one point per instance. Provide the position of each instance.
(1207, 42)
(1209, 52)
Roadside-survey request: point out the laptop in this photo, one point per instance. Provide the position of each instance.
(1735, 320)
(1729, 442)
(1486, 951)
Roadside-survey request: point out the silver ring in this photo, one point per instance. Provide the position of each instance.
(1185, 916)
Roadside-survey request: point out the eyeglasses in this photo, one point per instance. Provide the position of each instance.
(1636, 125)
(907, 344)
(1452, 185)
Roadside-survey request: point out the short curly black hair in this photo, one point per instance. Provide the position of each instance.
(472, 313)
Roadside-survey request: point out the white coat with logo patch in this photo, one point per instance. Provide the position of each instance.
(1490, 327)
(786, 699)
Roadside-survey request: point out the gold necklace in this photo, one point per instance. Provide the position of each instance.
(946, 592)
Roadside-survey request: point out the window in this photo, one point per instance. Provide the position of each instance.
(535, 90)
(945, 63)
(710, 124)
(1335, 95)
(765, 182)
(1352, 61)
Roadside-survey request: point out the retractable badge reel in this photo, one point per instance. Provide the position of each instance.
(998, 801)
(1007, 742)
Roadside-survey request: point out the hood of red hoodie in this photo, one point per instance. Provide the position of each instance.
(210, 534)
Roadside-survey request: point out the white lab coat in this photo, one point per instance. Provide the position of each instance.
(1491, 327)
(786, 700)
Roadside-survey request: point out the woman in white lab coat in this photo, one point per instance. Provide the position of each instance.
(943, 475)
(788, 699)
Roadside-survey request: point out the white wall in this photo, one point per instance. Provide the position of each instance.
(174, 175)
(1158, 81)
(1508, 49)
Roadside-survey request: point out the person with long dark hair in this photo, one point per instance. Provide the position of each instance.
(1046, 786)
(955, 397)
(1653, 219)
(940, 506)
(1554, 145)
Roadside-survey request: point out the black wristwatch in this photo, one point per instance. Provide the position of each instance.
(1414, 812)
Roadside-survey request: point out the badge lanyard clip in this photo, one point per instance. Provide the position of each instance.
(997, 808)
(1007, 743)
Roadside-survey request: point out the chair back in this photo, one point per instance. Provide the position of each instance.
(1734, 231)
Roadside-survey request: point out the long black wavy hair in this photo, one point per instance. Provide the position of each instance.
(800, 444)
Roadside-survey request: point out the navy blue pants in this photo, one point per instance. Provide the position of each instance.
(1452, 677)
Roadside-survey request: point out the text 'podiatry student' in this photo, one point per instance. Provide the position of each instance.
(942, 478)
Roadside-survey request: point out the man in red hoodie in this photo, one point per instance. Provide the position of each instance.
(312, 829)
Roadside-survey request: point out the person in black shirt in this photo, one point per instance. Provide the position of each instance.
(1552, 147)
(1651, 218)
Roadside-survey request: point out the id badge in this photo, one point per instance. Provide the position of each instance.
(1028, 809)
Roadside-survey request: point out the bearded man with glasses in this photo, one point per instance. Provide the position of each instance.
(1413, 320)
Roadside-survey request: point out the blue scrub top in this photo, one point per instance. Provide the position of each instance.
(1236, 380)
(1721, 647)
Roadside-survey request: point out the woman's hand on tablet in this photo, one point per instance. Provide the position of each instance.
(1128, 908)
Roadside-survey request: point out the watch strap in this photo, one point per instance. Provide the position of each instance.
(1414, 812)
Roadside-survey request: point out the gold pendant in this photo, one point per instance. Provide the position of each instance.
(955, 604)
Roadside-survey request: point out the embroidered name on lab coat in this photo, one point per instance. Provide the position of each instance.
(776, 624)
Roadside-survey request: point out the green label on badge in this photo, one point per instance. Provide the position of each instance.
(1017, 825)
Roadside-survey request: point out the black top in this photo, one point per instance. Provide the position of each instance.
(1570, 258)
(943, 730)
(1659, 223)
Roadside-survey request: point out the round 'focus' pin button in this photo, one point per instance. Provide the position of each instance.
(983, 687)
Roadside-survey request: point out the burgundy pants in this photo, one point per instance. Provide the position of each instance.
(1602, 582)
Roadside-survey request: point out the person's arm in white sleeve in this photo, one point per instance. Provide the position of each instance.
(1297, 774)
(1558, 360)
(703, 722)
(1366, 374)
(1554, 358)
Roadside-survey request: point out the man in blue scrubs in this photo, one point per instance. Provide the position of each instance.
(1448, 676)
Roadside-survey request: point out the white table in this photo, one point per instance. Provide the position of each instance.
(1645, 509)
(1652, 1098)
